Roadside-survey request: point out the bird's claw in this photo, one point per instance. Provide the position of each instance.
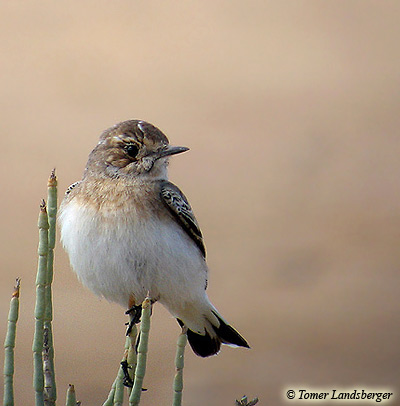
(135, 313)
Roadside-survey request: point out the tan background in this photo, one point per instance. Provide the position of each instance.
(291, 111)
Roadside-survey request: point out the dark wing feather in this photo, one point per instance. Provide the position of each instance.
(177, 203)
(70, 187)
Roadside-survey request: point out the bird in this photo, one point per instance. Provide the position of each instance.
(129, 232)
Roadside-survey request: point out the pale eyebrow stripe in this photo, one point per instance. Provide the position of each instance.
(140, 125)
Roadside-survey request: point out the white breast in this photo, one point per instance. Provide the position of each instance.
(120, 254)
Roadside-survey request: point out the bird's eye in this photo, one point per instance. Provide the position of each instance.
(132, 150)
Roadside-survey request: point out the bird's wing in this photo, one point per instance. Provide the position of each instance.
(71, 187)
(178, 205)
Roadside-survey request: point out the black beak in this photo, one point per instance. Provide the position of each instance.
(170, 150)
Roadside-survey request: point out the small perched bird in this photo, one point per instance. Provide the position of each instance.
(129, 232)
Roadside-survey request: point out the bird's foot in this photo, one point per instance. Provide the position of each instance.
(134, 313)
(127, 380)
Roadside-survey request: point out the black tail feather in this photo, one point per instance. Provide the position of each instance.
(206, 345)
(203, 346)
(228, 334)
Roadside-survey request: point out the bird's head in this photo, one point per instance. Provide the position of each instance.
(132, 148)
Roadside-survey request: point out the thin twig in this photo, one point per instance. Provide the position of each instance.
(245, 402)
(37, 347)
(71, 396)
(179, 364)
(50, 393)
(140, 370)
(9, 345)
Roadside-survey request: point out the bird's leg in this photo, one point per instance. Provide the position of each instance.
(134, 313)
(127, 380)
(128, 364)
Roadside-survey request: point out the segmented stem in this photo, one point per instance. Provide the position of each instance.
(50, 393)
(71, 396)
(140, 370)
(9, 345)
(40, 306)
(179, 364)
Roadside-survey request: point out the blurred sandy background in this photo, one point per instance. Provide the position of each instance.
(291, 111)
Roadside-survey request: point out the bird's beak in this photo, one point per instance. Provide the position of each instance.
(170, 150)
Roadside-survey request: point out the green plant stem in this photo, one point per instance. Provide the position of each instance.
(132, 354)
(179, 364)
(37, 347)
(118, 397)
(71, 396)
(110, 398)
(116, 393)
(119, 389)
(140, 370)
(50, 392)
(244, 401)
(9, 345)
(47, 369)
